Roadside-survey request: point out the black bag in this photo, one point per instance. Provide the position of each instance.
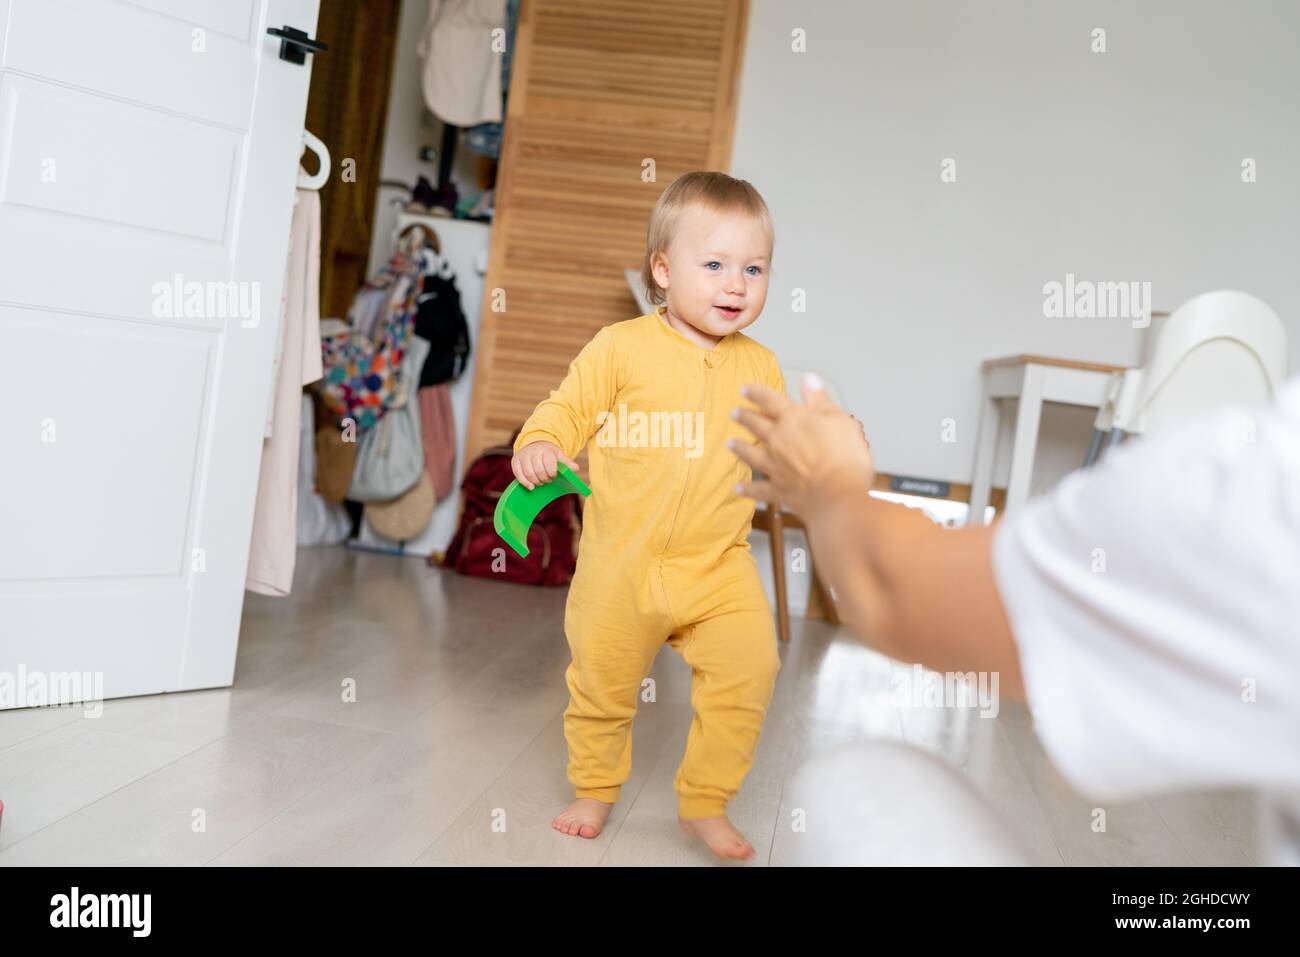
(440, 319)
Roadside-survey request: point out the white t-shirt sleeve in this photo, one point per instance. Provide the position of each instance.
(1155, 602)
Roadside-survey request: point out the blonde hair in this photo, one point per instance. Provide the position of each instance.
(716, 192)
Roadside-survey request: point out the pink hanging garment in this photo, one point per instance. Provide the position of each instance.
(439, 433)
(273, 549)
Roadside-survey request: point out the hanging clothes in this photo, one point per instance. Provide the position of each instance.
(462, 70)
(368, 309)
(485, 138)
(440, 319)
(273, 548)
(361, 369)
(438, 428)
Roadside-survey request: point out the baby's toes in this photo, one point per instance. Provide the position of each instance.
(737, 848)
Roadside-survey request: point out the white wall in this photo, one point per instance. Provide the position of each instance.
(1123, 165)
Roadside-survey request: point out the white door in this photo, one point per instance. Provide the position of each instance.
(146, 147)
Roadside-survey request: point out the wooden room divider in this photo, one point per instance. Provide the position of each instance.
(601, 91)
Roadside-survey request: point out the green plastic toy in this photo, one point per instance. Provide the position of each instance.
(518, 506)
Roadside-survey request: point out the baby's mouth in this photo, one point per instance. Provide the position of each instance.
(729, 312)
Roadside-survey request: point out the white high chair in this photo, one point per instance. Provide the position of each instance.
(1216, 349)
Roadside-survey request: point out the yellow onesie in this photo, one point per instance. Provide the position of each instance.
(664, 553)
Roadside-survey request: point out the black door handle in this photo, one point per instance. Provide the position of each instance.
(294, 44)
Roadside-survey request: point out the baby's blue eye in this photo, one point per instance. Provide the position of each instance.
(710, 265)
(756, 270)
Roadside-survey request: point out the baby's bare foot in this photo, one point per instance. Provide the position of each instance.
(723, 839)
(585, 817)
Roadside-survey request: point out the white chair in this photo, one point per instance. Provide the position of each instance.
(1218, 348)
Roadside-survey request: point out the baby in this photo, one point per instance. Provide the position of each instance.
(665, 553)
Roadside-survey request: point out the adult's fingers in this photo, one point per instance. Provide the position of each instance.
(767, 399)
(763, 491)
(751, 455)
(760, 425)
(814, 393)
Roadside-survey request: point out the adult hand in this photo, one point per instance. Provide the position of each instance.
(811, 452)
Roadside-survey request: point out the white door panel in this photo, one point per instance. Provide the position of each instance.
(127, 520)
(121, 49)
(132, 168)
(161, 195)
(142, 172)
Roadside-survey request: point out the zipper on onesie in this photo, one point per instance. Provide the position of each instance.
(706, 358)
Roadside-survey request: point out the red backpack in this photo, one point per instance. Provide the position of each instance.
(552, 538)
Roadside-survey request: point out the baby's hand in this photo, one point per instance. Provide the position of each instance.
(535, 463)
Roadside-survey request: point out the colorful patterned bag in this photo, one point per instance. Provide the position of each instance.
(362, 373)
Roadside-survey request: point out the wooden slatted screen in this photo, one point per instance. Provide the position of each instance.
(597, 88)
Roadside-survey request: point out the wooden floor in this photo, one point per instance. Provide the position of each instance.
(453, 751)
